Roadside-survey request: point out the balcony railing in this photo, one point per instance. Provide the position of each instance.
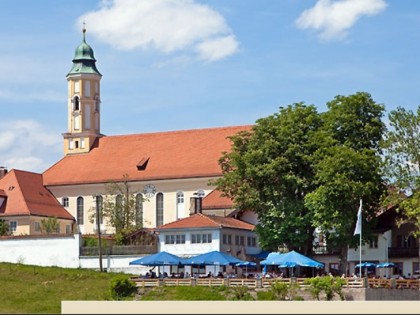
(118, 250)
(325, 250)
(396, 252)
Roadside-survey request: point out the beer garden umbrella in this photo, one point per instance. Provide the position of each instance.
(158, 259)
(386, 265)
(246, 264)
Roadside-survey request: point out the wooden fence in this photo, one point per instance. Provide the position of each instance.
(267, 283)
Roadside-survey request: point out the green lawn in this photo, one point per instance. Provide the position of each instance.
(34, 289)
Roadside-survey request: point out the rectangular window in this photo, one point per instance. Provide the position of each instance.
(12, 226)
(87, 116)
(76, 122)
(224, 239)
(65, 201)
(242, 241)
(229, 239)
(87, 88)
(373, 243)
(251, 241)
(37, 227)
(76, 87)
(200, 238)
(334, 268)
(416, 268)
(57, 230)
(180, 238)
(237, 240)
(398, 270)
(68, 229)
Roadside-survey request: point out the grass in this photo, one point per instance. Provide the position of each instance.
(26, 289)
(186, 293)
(35, 289)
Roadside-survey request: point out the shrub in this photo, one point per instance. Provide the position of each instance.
(122, 287)
(329, 285)
(279, 290)
(241, 293)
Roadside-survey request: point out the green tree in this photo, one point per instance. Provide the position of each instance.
(121, 208)
(348, 168)
(269, 170)
(49, 225)
(402, 164)
(4, 228)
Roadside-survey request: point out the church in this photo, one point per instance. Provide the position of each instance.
(166, 170)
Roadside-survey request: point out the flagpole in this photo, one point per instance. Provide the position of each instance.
(360, 240)
(358, 230)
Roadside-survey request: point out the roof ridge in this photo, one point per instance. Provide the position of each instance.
(178, 131)
(211, 220)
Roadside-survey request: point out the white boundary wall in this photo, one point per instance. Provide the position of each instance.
(42, 251)
(62, 251)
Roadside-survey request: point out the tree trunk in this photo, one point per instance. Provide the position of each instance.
(343, 260)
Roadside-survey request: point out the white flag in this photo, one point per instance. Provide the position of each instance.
(358, 229)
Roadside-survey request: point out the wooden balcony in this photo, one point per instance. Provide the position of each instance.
(400, 252)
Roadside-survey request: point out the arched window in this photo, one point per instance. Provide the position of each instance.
(159, 209)
(100, 204)
(179, 204)
(139, 210)
(119, 215)
(76, 103)
(80, 210)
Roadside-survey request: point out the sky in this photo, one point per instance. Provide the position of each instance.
(187, 64)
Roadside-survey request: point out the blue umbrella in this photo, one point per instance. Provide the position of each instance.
(386, 265)
(213, 258)
(366, 265)
(158, 259)
(291, 258)
(246, 264)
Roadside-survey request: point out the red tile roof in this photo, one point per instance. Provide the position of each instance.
(215, 200)
(163, 155)
(204, 221)
(25, 195)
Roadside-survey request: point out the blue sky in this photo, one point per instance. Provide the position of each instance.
(187, 64)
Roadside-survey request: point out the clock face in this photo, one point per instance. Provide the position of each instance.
(149, 190)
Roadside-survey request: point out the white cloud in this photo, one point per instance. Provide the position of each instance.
(334, 18)
(164, 25)
(25, 145)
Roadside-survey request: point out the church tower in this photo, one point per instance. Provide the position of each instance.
(84, 112)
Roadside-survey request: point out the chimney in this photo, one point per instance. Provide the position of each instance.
(196, 205)
(3, 171)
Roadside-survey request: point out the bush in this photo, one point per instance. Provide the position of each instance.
(280, 290)
(329, 285)
(122, 287)
(241, 293)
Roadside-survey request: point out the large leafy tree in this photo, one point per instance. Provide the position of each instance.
(269, 170)
(348, 168)
(402, 164)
